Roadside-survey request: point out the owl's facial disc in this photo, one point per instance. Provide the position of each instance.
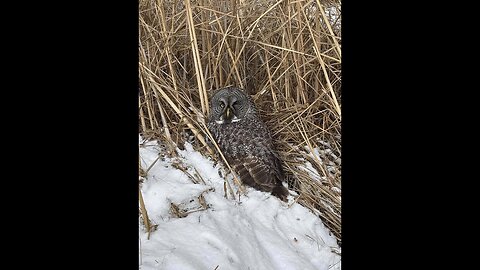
(229, 113)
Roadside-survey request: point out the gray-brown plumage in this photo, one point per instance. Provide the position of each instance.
(245, 141)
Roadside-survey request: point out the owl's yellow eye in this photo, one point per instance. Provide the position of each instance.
(236, 104)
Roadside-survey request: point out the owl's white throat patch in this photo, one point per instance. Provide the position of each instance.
(235, 119)
(222, 121)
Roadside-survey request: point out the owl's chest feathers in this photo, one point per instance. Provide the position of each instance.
(237, 141)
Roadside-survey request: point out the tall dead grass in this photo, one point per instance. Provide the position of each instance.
(287, 54)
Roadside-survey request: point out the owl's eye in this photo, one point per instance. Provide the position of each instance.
(222, 105)
(236, 104)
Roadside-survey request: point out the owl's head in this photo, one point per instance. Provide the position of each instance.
(230, 105)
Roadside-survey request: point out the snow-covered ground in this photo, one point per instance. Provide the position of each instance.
(198, 228)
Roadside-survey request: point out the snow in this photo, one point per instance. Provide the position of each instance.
(257, 231)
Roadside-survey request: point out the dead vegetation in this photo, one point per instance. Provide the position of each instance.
(286, 54)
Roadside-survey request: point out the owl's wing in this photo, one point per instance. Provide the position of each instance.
(255, 173)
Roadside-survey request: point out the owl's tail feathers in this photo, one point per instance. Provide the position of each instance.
(281, 192)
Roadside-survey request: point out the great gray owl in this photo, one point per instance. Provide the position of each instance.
(245, 141)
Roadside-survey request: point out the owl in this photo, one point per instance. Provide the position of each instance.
(245, 141)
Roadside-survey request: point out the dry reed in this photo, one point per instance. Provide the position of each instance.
(286, 54)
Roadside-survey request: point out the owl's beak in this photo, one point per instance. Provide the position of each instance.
(228, 116)
(228, 113)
